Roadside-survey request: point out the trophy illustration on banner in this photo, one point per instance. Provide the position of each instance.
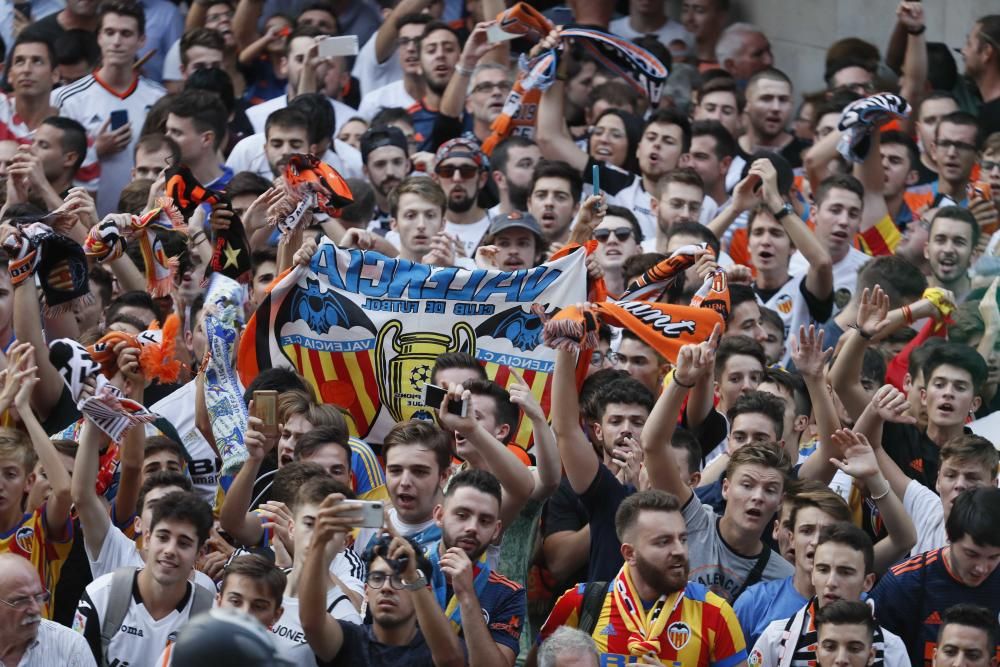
(405, 369)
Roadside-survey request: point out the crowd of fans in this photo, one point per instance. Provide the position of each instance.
(815, 483)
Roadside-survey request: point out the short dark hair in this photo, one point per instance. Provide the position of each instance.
(972, 616)
(154, 141)
(593, 387)
(206, 111)
(416, 431)
(501, 153)
(651, 500)
(34, 37)
(918, 356)
(961, 118)
(277, 378)
(897, 138)
(617, 93)
(838, 64)
(960, 214)
(184, 506)
(204, 37)
(309, 443)
(161, 443)
(302, 31)
(825, 500)
(434, 26)
(134, 299)
(622, 212)
(286, 117)
(323, 6)
(732, 346)
(740, 294)
(847, 612)
(846, 533)
(686, 440)
(123, 8)
(458, 359)
(74, 137)
(794, 384)
(290, 477)
(159, 479)
(480, 480)
(762, 403)
(772, 318)
(247, 183)
(507, 411)
(725, 144)
(697, 230)
(362, 209)
(960, 356)
(838, 182)
(672, 117)
(974, 513)
(902, 281)
(319, 111)
(625, 391)
(74, 46)
(259, 569)
(215, 80)
(722, 83)
(771, 74)
(418, 18)
(558, 169)
(315, 489)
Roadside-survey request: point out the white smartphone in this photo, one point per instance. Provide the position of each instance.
(496, 34)
(345, 45)
(433, 396)
(369, 513)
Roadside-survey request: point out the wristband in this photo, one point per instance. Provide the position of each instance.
(907, 314)
(919, 31)
(888, 489)
(860, 332)
(681, 384)
(464, 71)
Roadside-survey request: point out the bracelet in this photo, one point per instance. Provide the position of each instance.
(907, 314)
(919, 31)
(464, 71)
(888, 489)
(860, 332)
(681, 384)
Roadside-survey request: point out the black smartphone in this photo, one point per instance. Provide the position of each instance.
(119, 117)
(434, 395)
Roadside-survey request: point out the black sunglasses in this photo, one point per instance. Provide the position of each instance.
(621, 233)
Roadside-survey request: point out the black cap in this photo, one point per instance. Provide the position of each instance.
(515, 219)
(383, 136)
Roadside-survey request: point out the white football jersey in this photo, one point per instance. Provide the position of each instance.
(290, 638)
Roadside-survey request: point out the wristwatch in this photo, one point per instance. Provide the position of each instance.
(783, 211)
(416, 584)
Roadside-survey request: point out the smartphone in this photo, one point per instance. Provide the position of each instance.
(434, 395)
(345, 45)
(119, 117)
(495, 34)
(595, 177)
(369, 514)
(265, 408)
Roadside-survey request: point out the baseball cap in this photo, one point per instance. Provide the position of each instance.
(461, 147)
(512, 220)
(383, 136)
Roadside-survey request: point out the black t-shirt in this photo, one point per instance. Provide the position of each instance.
(63, 413)
(925, 175)
(793, 151)
(916, 455)
(361, 648)
(564, 512)
(73, 580)
(601, 501)
(989, 118)
(712, 432)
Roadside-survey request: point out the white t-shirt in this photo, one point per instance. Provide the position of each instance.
(90, 103)
(172, 63)
(248, 155)
(350, 569)
(258, 113)
(671, 31)
(290, 638)
(845, 275)
(924, 507)
(767, 650)
(141, 638)
(470, 235)
(178, 409)
(119, 551)
(370, 73)
(365, 535)
(636, 199)
(390, 95)
(791, 305)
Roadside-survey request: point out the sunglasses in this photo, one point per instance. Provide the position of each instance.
(621, 233)
(466, 171)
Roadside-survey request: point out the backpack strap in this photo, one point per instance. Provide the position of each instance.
(119, 599)
(594, 593)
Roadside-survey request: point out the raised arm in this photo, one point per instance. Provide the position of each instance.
(476, 47)
(914, 80)
(388, 32)
(514, 477)
(888, 404)
(245, 22)
(744, 198)
(235, 516)
(819, 156)
(131, 454)
(24, 370)
(577, 454)
(552, 135)
(94, 520)
(872, 177)
(693, 361)
(322, 630)
(860, 462)
(810, 360)
(547, 467)
(845, 375)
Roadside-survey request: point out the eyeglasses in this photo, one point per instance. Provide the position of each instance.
(487, 87)
(465, 171)
(406, 41)
(959, 146)
(989, 165)
(377, 580)
(597, 357)
(21, 603)
(621, 233)
(221, 16)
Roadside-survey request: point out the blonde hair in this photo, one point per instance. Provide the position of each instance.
(16, 446)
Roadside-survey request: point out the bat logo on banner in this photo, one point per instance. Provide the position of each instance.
(523, 329)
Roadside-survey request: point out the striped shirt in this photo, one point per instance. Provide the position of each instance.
(58, 645)
(702, 630)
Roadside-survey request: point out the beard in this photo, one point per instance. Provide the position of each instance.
(387, 186)
(518, 195)
(462, 205)
(451, 541)
(664, 582)
(437, 87)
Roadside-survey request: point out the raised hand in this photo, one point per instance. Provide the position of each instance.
(522, 397)
(333, 517)
(873, 311)
(695, 361)
(892, 405)
(988, 308)
(807, 352)
(443, 250)
(451, 422)
(859, 458)
(361, 239)
(26, 375)
(486, 257)
(478, 44)
(627, 458)
(457, 567)
(910, 15)
(746, 194)
(257, 442)
(303, 256)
